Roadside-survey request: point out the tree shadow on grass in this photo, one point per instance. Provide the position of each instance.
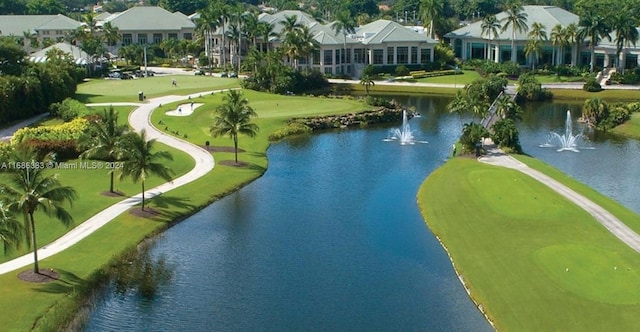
(172, 206)
(85, 98)
(67, 282)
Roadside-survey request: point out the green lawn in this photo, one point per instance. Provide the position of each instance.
(51, 304)
(558, 79)
(107, 90)
(535, 261)
(631, 128)
(464, 77)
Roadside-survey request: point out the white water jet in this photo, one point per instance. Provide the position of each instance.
(567, 141)
(403, 134)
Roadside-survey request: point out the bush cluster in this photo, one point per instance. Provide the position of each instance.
(291, 129)
(68, 109)
(627, 77)
(60, 149)
(67, 131)
(530, 89)
(591, 85)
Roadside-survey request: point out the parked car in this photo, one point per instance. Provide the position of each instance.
(224, 74)
(198, 72)
(126, 76)
(233, 75)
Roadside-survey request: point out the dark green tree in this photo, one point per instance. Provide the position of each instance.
(233, 118)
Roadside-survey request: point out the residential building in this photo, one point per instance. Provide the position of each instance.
(40, 27)
(469, 42)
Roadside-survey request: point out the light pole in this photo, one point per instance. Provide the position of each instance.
(145, 61)
(455, 76)
(405, 17)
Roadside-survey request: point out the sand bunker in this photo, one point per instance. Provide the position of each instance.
(184, 109)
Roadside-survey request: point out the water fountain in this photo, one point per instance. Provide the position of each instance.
(568, 141)
(404, 133)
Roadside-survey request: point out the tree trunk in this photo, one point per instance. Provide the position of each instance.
(235, 145)
(514, 53)
(593, 57)
(111, 183)
(142, 195)
(36, 268)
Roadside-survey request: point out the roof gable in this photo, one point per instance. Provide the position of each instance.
(149, 18)
(16, 25)
(385, 31)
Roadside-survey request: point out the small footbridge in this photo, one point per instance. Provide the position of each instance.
(493, 116)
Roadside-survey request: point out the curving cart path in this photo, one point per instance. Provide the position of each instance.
(138, 119)
(496, 157)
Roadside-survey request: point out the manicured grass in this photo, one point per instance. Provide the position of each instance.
(513, 239)
(558, 79)
(608, 95)
(464, 77)
(273, 111)
(51, 304)
(106, 90)
(89, 184)
(631, 128)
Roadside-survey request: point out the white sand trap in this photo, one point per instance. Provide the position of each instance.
(184, 110)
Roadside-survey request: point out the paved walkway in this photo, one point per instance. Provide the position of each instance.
(6, 133)
(138, 119)
(495, 156)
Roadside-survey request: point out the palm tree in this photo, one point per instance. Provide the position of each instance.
(105, 140)
(507, 108)
(626, 33)
(367, 82)
(534, 45)
(490, 27)
(206, 25)
(142, 161)
(10, 229)
(110, 34)
(26, 41)
(558, 39)
(234, 118)
(344, 23)
(265, 30)
(516, 19)
(594, 110)
(573, 39)
(288, 33)
(31, 190)
(429, 11)
(308, 44)
(595, 28)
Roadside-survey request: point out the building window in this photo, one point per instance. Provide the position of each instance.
(328, 57)
(403, 55)
(378, 57)
(358, 55)
(425, 55)
(45, 32)
(328, 70)
(316, 57)
(173, 36)
(302, 61)
(338, 57)
(157, 38)
(414, 54)
(126, 39)
(389, 55)
(59, 32)
(142, 38)
(348, 59)
(188, 36)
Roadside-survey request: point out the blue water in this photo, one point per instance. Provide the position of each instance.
(330, 238)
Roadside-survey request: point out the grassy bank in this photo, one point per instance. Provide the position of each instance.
(110, 91)
(535, 261)
(50, 305)
(631, 128)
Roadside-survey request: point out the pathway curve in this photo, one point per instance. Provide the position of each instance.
(496, 157)
(6, 133)
(138, 119)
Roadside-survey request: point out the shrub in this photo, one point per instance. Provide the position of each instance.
(402, 70)
(60, 149)
(377, 101)
(591, 85)
(505, 134)
(471, 135)
(530, 89)
(293, 128)
(68, 109)
(67, 131)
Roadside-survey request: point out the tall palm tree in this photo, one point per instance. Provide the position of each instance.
(507, 108)
(308, 44)
(110, 35)
(26, 41)
(30, 190)
(573, 39)
(516, 19)
(234, 118)
(429, 11)
(289, 35)
(594, 110)
(534, 46)
(10, 229)
(558, 39)
(265, 30)
(142, 161)
(490, 26)
(626, 33)
(367, 82)
(344, 23)
(206, 25)
(105, 140)
(594, 27)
